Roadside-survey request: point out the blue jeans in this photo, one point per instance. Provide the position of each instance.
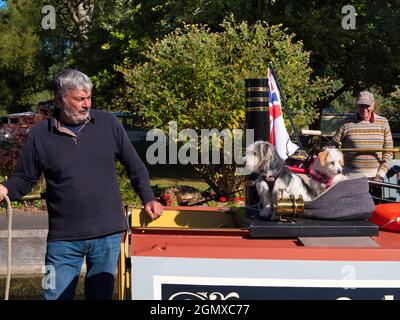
(64, 262)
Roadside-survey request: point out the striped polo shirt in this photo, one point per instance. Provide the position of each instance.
(360, 134)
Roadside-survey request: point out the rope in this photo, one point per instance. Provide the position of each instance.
(9, 217)
(390, 222)
(256, 206)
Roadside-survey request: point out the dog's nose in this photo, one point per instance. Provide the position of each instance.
(339, 171)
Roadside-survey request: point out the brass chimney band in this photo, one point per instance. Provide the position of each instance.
(257, 89)
(257, 99)
(253, 109)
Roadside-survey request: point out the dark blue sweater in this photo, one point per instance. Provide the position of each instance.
(83, 197)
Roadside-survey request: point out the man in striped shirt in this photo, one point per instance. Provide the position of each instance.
(365, 129)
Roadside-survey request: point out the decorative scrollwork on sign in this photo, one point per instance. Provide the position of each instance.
(203, 296)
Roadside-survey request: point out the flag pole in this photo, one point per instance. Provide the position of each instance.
(286, 106)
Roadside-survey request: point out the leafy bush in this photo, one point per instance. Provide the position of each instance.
(11, 149)
(129, 197)
(196, 78)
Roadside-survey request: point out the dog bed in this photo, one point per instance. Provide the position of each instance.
(347, 200)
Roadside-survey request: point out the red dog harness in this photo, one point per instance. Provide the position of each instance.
(318, 176)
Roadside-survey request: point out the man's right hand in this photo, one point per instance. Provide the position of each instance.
(3, 192)
(154, 209)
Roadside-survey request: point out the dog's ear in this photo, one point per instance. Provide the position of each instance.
(264, 150)
(272, 155)
(341, 161)
(341, 158)
(322, 157)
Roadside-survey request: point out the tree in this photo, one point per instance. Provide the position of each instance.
(361, 58)
(115, 33)
(102, 37)
(19, 47)
(196, 77)
(31, 56)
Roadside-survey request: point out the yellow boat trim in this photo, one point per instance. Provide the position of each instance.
(189, 219)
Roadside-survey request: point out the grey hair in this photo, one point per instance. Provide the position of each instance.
(71, 79)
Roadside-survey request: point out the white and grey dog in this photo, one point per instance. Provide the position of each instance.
(273, 176)
(326, 169)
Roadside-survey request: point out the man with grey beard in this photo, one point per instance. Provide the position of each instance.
(76, 150)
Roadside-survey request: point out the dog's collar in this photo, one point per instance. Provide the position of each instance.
(322, 178)
(276, 175)
(319, 176)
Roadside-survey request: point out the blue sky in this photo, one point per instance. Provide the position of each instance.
(2, 3)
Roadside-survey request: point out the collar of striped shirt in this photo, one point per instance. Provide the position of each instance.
(372, 119)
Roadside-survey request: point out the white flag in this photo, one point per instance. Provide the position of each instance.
(278, 135)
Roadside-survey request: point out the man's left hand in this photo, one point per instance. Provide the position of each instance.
(154, 209)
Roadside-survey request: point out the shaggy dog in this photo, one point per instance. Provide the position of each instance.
(273, 176)
(326, 170)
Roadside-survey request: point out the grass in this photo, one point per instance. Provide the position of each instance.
(164, 183)
(29, 287)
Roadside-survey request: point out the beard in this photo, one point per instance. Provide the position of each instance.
(73, 116)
